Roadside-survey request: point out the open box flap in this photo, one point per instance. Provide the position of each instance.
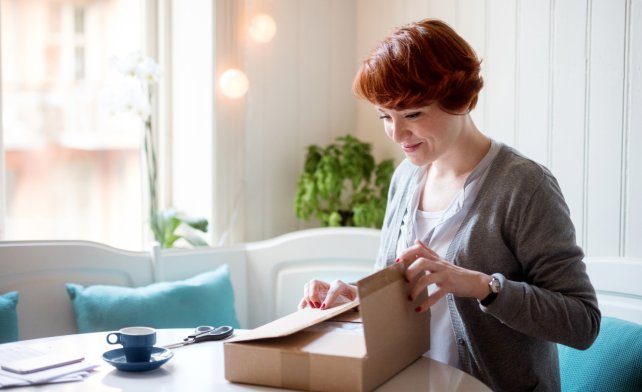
(293, 322)
(390, 322)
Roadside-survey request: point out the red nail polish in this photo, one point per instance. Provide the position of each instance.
(418, 309)
(397, 260)
(323, 306)
(317, 305)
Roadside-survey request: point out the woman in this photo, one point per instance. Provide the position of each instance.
(484, 229)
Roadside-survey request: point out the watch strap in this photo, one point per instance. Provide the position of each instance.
(489, 299)
(493, 286)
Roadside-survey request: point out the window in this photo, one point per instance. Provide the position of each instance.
(71, 169)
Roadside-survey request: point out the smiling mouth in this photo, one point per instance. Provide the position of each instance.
(410, 147)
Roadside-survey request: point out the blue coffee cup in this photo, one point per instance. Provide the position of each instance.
(137, 342)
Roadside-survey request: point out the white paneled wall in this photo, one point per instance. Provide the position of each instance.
(633, 123)
(568, 139)
(300, 94)
(563, 84)
(604, 201)
(533, 79)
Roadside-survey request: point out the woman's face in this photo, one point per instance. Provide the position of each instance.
(424, 134)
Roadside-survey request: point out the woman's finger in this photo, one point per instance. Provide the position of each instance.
(416, 251)
(338, 288)
(422, 266)
(426, 248)
(306, 295)
(411, 253)
(317, 290)
(431, 300)
(333, 293)
(422, 283)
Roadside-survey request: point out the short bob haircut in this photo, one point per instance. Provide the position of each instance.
(419, 64)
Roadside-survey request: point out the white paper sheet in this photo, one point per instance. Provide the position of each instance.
(14, 351)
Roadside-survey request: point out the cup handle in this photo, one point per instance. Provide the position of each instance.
(116, 334)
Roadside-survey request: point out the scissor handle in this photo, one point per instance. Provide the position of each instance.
(219, 333)
(199, 331)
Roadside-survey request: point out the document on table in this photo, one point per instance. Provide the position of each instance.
(16, 351)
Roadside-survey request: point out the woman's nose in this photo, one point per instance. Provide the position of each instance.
(396, 129)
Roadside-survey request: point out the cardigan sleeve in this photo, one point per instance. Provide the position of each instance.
(554, 297)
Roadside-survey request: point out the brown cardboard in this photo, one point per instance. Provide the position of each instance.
(334, 349)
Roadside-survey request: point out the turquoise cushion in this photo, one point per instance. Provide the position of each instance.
(8, 317)
(613, 363)
(206, 299)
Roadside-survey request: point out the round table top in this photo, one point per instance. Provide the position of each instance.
(201, 367)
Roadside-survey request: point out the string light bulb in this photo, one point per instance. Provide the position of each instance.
(262, 28)
(233, 83)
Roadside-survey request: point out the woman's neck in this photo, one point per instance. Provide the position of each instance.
(463, 156)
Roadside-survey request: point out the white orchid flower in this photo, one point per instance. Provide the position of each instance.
(128, 96)
(125, 65)
(148, 70)
(139, 66)
(131, 93)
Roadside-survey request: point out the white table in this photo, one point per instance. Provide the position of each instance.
(200, 367)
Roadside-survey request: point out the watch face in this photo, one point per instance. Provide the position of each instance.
(494, 285)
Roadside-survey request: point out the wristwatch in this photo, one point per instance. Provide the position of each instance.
(494, 287)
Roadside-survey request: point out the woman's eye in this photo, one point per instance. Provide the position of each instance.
(384, 117)
(413, 115)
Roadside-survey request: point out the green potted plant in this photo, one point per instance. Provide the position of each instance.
(341, 185)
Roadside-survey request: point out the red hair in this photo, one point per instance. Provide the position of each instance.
(421, 63)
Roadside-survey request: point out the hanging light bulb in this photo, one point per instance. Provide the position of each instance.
(233, 83)
(262, 28)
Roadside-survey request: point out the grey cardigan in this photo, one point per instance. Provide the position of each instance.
(519, 229)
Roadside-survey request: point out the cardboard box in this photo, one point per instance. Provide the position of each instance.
(335, 349)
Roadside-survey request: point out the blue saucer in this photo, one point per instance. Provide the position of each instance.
(116, 358)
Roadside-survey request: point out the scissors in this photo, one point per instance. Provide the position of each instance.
(204, 333)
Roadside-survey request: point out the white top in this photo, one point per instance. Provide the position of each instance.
(437, 230)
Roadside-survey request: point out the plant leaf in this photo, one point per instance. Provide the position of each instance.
(195, 240)
(334, 219)
(199, 224)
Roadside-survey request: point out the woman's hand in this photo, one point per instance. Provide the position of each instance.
(322, 295)
(425, 267)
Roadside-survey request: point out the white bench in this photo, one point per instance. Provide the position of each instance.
(618, 283)
(267, 276)
(38, 270)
